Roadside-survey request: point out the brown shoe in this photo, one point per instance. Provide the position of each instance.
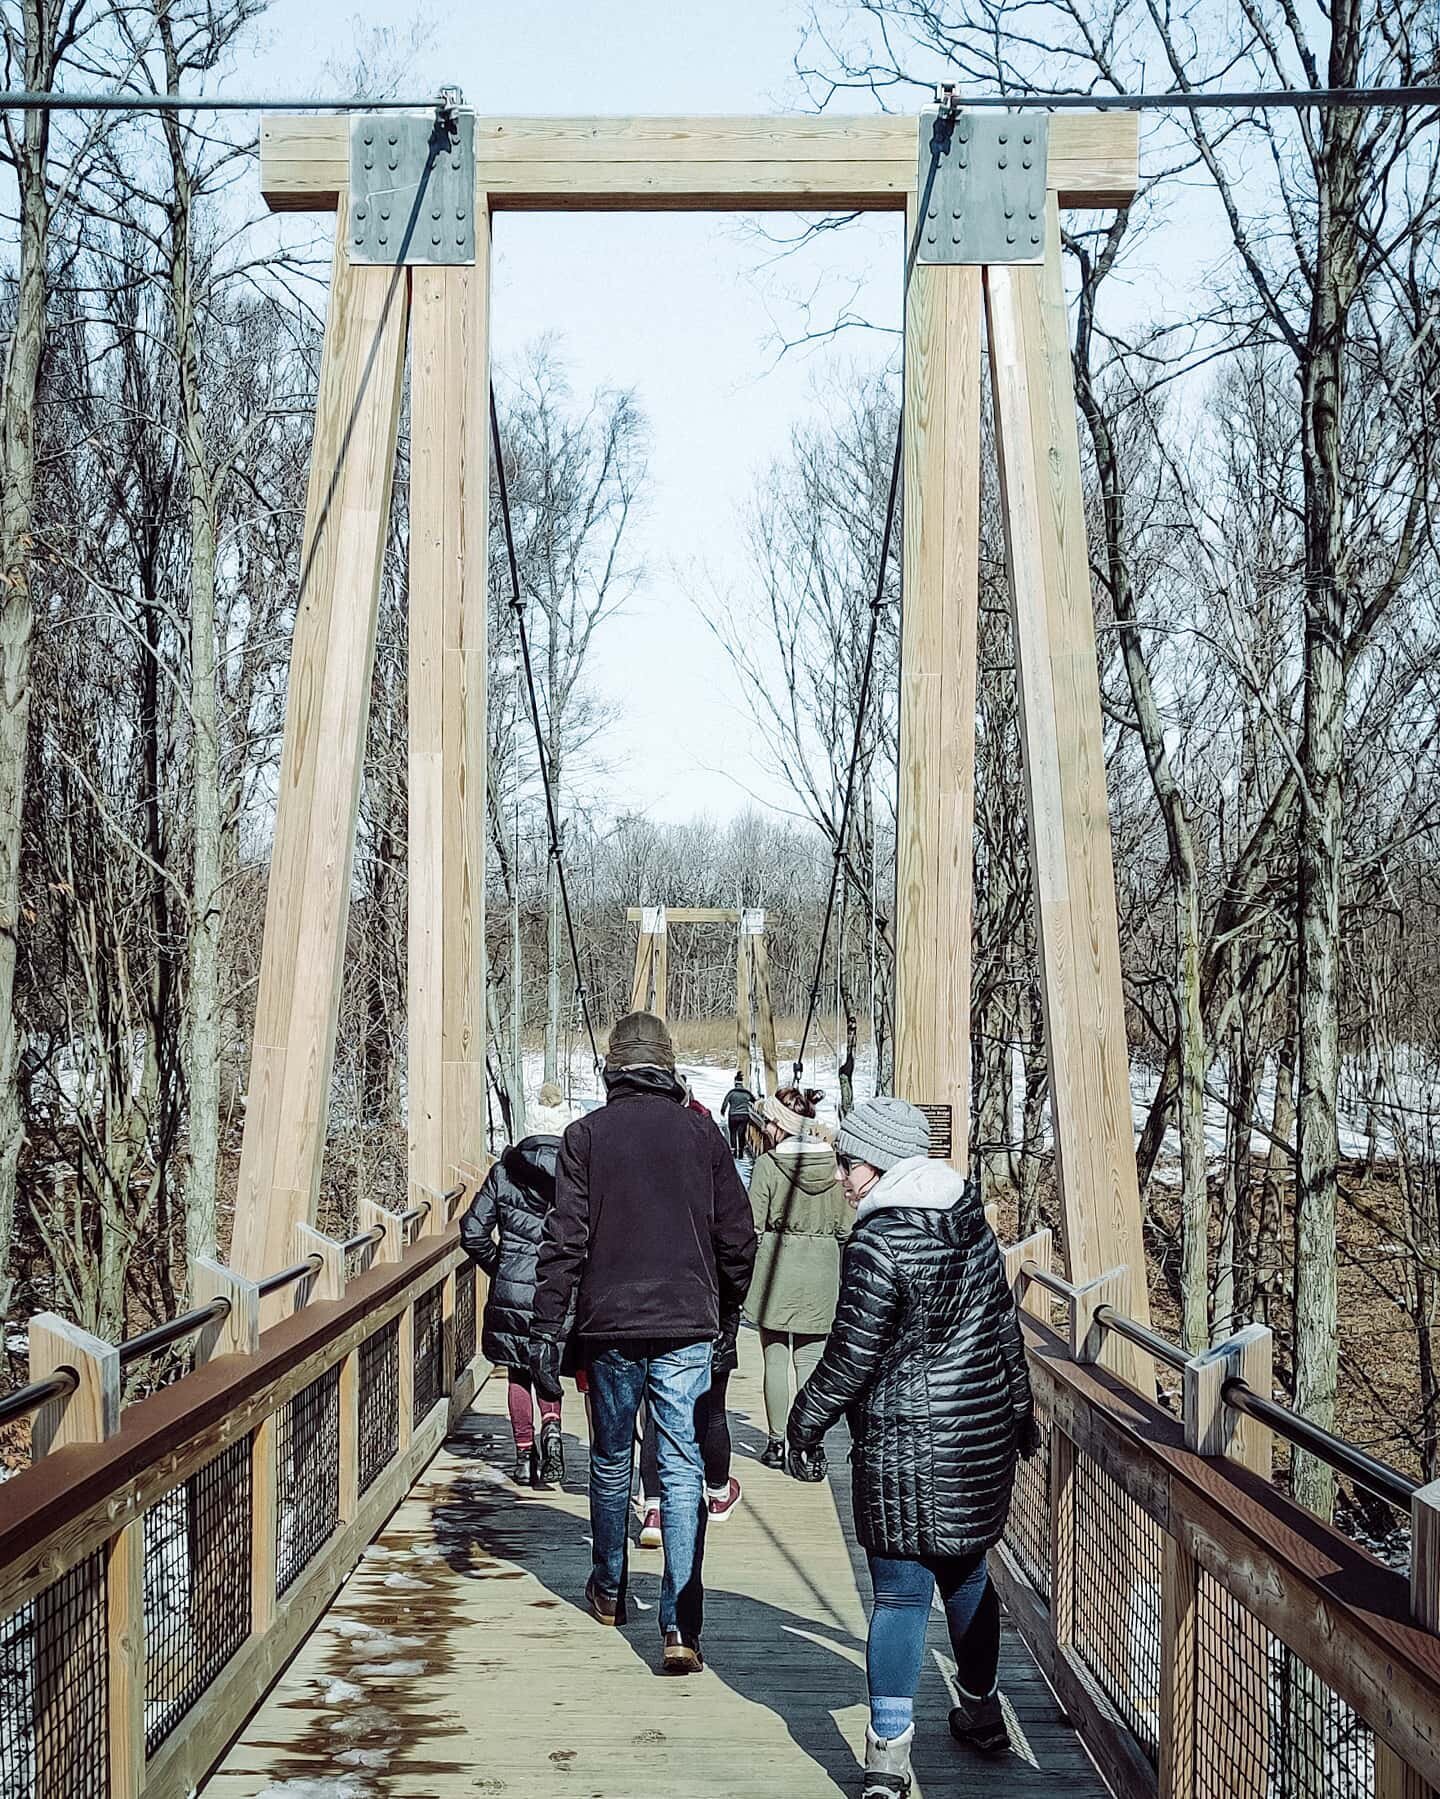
(605, 1608)
(680, 1657)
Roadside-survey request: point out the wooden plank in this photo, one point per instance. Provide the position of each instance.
(742, 1007)
(1214, 1428)
(705, 164)
(1064, 757)
(238, 1332)
(644, 968)
(660, 961)
(770, 1055)
(125, 1642)
(687, 914)
(326, 709)
(935, 819)
(449, 517)
(90, 1414)
(1178, 1674)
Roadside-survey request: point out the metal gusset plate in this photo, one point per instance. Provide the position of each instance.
(987, 199)
(412, 188)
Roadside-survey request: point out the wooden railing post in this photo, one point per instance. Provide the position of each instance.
(90, 1414)
(1211, 1426)
(263, 1526)
(238, 1333)
(1062, 1536)
(1087, 1336)
(1393, 1779)
(328, 1281)
(1179, 1645)
(1030, 1296)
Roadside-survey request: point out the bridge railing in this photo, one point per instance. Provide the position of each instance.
(1210, 1638)
(160, 1564)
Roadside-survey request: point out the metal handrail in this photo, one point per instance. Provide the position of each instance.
(1365, 1470)
(59, 1385)
(287, 1277)
(1142, 1337)
(415, 1213)
(375, 1234)
(161, 1336)
(1052, 1283)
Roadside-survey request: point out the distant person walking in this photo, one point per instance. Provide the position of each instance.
(501, 1234)
(802, 1218)
(736, 1107)
(651, 1239)
(551, 1115)
(927, 1362)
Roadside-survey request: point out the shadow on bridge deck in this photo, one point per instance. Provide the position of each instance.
(457, 1660)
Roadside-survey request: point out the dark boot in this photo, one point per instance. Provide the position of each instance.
(552, 1454)
(774, 1456)
(526, 1469)
(979, 1723)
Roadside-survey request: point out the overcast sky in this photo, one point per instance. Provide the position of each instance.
(687, 310)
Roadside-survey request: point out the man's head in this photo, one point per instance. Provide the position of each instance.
(876, 1135)
(639, 1040)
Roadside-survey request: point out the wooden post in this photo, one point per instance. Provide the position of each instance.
(91, 1413)
(264, 1526)
(1064, 758)
(348, 1400)
(660, 962)
(760, 958)
(328, 1281)
(644, 968)
(1240, 1685)
(742, 1004)
(1178, 1674)
(449, 516)
(1088, 1336)
(125, 1631)
(1030, 1295)
(368, 1216)
(327, 707)
(1214, 1428)
(238, 1333)
(934, 830)
(1425, 1557)
(1062, 1536)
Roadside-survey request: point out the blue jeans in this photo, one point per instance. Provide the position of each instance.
(669, 1380)
(904, 1586)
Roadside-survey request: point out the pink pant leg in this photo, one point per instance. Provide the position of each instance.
(522, 1416)
(549, 1411)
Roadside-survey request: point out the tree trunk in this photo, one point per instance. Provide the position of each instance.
(1321, 763)
(17, 500)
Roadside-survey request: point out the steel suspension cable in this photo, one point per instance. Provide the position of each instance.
(518, 610)
(877, 606)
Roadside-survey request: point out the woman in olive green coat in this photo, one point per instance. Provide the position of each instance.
(801, 1215)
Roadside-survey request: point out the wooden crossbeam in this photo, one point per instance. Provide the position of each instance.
(686, 915)
(696, 164)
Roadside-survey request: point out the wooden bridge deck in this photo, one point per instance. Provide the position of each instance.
(457, 1659)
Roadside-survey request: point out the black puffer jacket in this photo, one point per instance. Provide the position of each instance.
(501, 1233)
(927, 1360)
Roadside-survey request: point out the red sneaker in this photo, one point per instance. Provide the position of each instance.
(650, 1537)
(723, 1500)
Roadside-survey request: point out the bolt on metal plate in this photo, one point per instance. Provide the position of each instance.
(412, 189)
(986, 203)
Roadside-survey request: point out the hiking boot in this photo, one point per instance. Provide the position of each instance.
(526, 1471)
(650, 1537)
(979, 1723)
(774, 1456)
(723, 1500)
(887, 1765)
(680, 1657)
(808, 1464)
(604, 1608)
(552, 1454)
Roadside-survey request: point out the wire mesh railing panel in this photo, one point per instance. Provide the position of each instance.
(1268, 1723)
(197, 1586)
(307, 1475)
(54, 1690)
(429, 1352)
(1118, 1565)
(1027, 1532)
(464, 1315)
(379, 1428)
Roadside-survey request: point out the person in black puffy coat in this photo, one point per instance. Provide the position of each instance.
(926, 1361)
(501, 1234)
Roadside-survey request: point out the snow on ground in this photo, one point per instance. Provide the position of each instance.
(710, 1081)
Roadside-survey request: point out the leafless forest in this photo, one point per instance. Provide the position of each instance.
(1256, 359)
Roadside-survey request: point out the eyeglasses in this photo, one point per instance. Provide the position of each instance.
(845, 1163)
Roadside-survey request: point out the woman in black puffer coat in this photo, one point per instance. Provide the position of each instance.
(501, 1234)
(926, 1360)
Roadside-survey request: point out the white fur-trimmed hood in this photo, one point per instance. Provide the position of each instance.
(924, 1182)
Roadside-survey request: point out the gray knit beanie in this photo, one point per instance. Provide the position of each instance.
(640, 1040)
(882, 1132)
